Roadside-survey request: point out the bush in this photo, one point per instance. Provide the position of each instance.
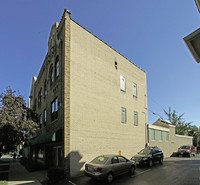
(55, 174)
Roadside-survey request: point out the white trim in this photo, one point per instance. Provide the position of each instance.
(159, 128)
(190, 137)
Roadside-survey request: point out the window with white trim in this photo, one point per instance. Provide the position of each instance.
(123, 115)
(122, 83)
(134, 89)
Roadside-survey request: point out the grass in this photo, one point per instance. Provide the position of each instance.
(3, 183)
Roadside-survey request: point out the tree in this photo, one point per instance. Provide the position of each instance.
(182, 127)
(15, 123)
(194, 131)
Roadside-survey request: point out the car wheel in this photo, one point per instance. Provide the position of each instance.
(132, 170)
(161, 160)
(110, 177)
(150, 163)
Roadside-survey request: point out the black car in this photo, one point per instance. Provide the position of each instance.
(148, 156)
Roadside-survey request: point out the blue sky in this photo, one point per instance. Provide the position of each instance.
(149, 33)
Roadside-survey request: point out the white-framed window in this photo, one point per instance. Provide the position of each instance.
(123, 115)
(135, 118)
(134, 89)
(122, 83)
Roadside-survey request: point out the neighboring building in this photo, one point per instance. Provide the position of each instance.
(162, 134)
(193, 43)
(193, 40)
(90, 99)
(198, 4)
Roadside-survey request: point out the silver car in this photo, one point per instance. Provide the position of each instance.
(109, 166)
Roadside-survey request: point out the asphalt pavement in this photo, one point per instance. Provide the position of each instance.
(174, 171)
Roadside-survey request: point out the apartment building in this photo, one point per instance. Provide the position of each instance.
(90, 99)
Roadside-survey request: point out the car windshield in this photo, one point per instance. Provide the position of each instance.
(100, 160)
(185, 147)
(145, 151)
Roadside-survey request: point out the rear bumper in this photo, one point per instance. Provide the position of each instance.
(97, 176)
(183, 153)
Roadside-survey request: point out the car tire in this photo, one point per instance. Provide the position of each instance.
(132, 170)
(161, 160)
(150, 163)
(110, 177)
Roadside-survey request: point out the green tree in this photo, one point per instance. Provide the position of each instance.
(194, 131)
(182, 127)
(15, 122)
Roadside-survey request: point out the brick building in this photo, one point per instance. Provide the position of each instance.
(90, 99)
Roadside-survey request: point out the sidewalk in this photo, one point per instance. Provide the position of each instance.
(17, 174)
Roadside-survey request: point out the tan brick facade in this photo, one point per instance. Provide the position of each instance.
(90, 97)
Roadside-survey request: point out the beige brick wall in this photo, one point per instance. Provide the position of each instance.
(175, 141)
(96, 101)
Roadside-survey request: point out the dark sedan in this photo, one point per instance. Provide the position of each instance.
(109, 166)
(148, 156)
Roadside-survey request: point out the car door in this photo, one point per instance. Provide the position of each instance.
(157, 154)
(115, 166)
(124, 165)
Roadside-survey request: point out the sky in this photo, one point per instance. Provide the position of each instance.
(149, 33)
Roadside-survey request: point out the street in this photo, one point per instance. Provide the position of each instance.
(174, 171)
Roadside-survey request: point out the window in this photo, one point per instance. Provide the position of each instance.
(122, 83)
(41, 152)
(134, 89)
(123, 115)
(167, 136)
(122, 159)
(54, 109)
(57, 67)
(152, 134)
(160, 135)
(114, 160)
(39, 97)
(40, 121)
(45, 117)
(135, 118)
(45, 88)
(51, 75)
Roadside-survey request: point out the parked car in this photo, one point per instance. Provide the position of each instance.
(186, 150)
(148, 156)
(108, 166)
